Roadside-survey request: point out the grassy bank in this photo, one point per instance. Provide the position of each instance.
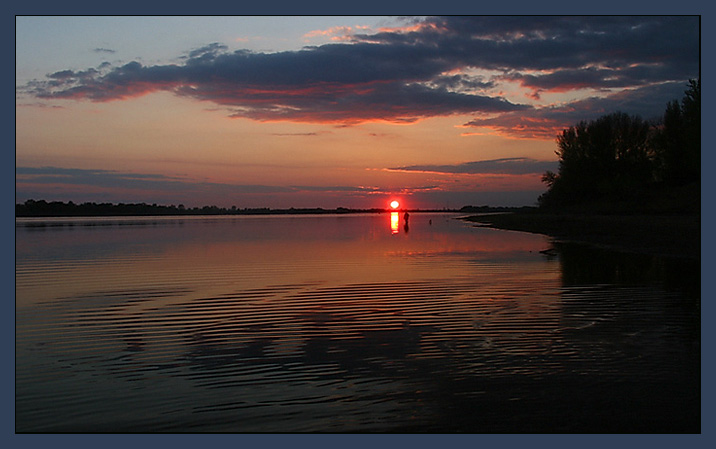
(670, 235)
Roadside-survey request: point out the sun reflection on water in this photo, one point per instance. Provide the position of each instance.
(394, 222)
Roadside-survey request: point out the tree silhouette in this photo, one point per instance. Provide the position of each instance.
(677, 146)
(602, 159)
(622, 159)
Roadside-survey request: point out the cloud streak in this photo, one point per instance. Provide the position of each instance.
(505, 166)
(425, 69)
(137, 181)
(109, 179)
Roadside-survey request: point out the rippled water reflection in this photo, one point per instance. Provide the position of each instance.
(346, 324)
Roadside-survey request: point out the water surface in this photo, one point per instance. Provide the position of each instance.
(346, 323)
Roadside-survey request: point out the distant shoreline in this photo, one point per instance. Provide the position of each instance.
(57, 209)
(239, 213)
(664, 235)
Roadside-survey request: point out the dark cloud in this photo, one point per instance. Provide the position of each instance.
(507, 166)
(462, 82)
(392, 102)
(340, 189)
(207, 52)
(648, 102)
(457, 199)
(588, 78)
(557, 42)
(369, 190)
(403, 75)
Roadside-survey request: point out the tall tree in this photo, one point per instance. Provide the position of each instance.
(677, 145)
(602, 159)
(691, 106)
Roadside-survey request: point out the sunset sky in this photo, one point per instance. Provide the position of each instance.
(326, 111)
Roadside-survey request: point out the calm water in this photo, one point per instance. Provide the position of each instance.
(347, 323)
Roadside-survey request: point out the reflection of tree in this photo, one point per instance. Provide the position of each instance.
(633, 323)
(587, 265)
(583, 264)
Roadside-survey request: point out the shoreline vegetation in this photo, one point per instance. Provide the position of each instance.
(57, 209)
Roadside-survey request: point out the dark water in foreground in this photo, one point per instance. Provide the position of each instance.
(346, 324)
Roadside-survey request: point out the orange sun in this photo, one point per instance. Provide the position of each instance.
(394, 204)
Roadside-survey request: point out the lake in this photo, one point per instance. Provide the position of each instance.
(346, 323)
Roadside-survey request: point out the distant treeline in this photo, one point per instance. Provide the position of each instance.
(42, 208)
(621, 163)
